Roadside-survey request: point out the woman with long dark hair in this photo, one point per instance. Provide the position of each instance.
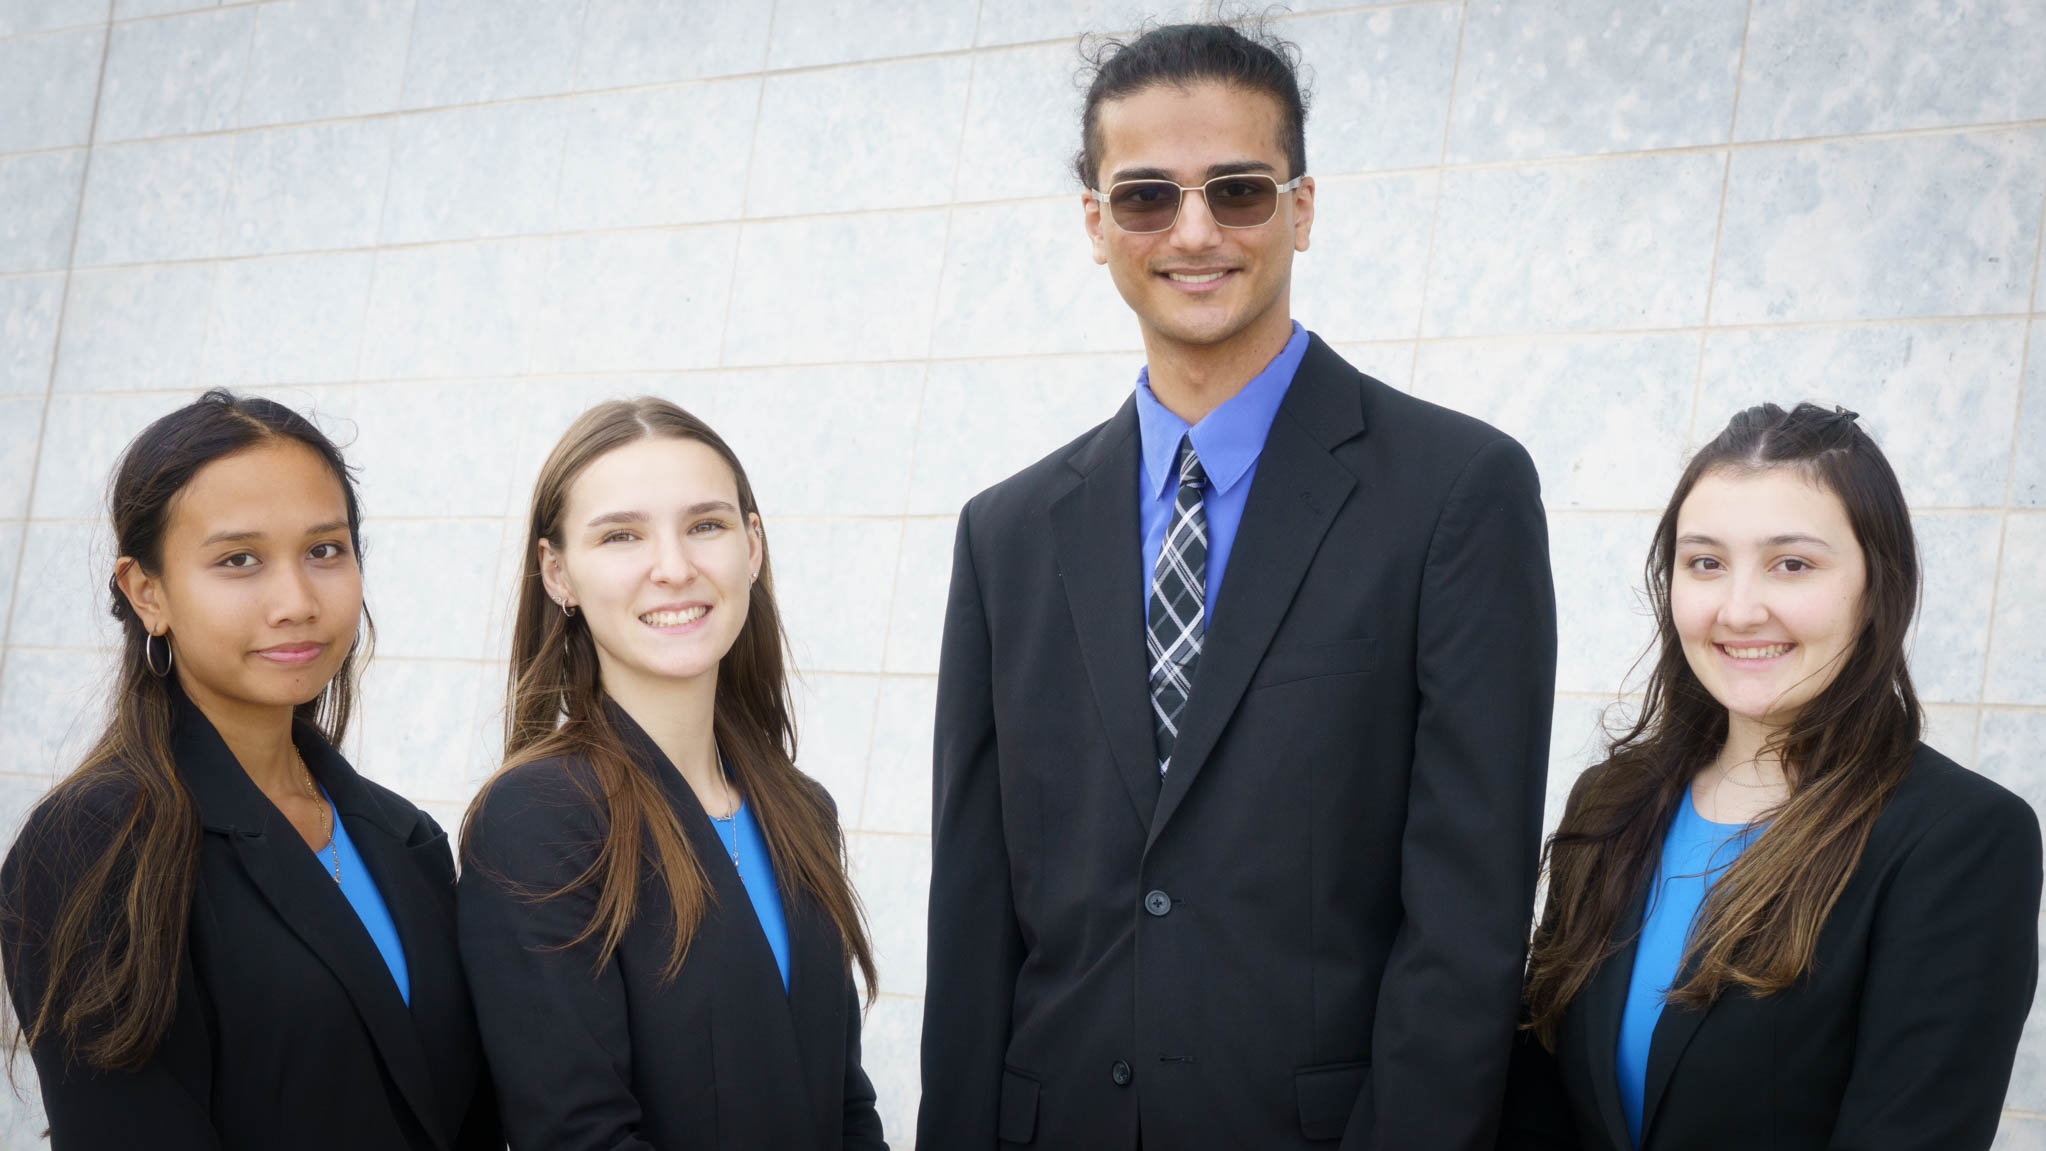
(1776, 918)
(654, 906)
(216, 934)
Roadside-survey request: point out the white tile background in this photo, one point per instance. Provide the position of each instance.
(844, 231)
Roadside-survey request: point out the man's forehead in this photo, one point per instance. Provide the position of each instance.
(1203, 130)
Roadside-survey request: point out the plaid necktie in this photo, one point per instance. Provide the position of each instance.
(1178, 604)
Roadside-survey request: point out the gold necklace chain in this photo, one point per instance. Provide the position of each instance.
(326, 811)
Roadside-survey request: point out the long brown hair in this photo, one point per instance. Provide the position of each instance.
(556, 708)
(121, 826)
(1844, 753)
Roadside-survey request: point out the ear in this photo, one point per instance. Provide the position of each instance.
(554, 574)
(1303, 212)
(756, 544)
(145, 594)
(1091, 207)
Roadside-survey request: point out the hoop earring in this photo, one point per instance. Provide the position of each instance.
(149, 656)
(567, 609)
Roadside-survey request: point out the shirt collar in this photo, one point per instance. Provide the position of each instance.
(1228, 439)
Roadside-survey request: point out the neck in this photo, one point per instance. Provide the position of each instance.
(678, 715)
(257, 735)
(1192, 380)
(1747, 754)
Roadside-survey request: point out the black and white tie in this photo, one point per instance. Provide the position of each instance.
(1178, 607)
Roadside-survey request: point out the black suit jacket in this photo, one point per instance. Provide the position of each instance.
(1899, 1038)
(289, 1031)
(1311, 929)
(614, 1058)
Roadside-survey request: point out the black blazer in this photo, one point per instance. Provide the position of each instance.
(289, 1030)
(1900, 1038)
(1311, 929)
(616, 1059)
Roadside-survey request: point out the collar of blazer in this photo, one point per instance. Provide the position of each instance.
(1298, 489)
(298, 888)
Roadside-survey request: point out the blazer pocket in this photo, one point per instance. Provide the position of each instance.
(1018, 1120)
(1327, 1094)
(1315, 660)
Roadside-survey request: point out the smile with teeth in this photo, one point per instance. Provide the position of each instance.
(1763, 651)
(1195, 277)
(674, 618)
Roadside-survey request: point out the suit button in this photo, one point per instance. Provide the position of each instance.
(1158, 903)
(1120, 1073)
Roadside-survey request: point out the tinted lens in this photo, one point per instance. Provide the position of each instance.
(1144, 205)
(1242, 201)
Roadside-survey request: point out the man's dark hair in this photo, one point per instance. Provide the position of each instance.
(1186, 54)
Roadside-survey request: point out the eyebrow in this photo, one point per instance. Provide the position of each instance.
(1225, 168)
(1697, 539)
(247, 535)
(640, 517)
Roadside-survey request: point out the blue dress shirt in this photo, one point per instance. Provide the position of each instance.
(742, 834)
(362, 894)
(1228, 441)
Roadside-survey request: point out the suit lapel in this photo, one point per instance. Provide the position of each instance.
(1294, 497)
(1674, 1030)
(1605, 999)
(1096, 540)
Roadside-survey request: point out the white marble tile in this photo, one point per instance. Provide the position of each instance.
(1381, 82)
(1604, 622)
(923, 577)
(1620, 243)
(658, 41)
(83, 438)
(133, 9)
(548, 406)
(834, 717)
(418, 725)
(2017, 641)
(471, 51)
(432, 449)
(1578, 738)
(658, 156)
(155, 200)
(426, 583)
(322, 59)
(1938, 398)
(1387, 361)
(1022, 125)
(845, 139)
(456, 310)
(824, 441)
(47, 87)
(1957, 574)
(474, 172)
(1361, 278)
(25, 17)
(984, 420)
(2028, 1075)
(128, 328)
(1950, 729)
(21, 425)
(832, 580)
(893, 874)
(836, 288)
(1840, 67)
(28, 331)
(1603, 416)
(10, 555)
(176, 75)
(2008, 752)
(1586, 76)
(899, 771)
(1868, 229)
(2028, 476)
(891, 1040)
(812, 32)
(287, 319)
(1020, 279)
(1065, 19)
(636, 301)
(2021, 1132)
(53, 704)
(39, 197)
(61, 597)
(317, 187)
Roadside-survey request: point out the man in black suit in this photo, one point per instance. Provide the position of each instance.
(1243, 707)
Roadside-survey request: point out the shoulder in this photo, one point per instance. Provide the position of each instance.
(79, 815)
(1942, 802)
(1422, 445)
(559, 792)
(1028, 494)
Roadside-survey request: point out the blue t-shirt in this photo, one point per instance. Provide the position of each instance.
(756, 871)
(367, 901)
(1695, 853)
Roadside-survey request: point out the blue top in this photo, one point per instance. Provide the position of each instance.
(1695, 853)
(756, 871)
(367, 901)
(1228, 441)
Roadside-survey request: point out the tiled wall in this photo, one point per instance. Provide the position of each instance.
(844, 231)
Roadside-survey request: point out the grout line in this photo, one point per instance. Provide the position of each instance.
(582, 45)
(1718, 234)
(2010, 478)
(746, 188)
(1435, 212)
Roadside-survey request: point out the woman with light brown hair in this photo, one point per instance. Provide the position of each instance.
(1775, 918)
(654, 910)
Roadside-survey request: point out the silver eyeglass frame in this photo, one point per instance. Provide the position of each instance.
(1101, 197)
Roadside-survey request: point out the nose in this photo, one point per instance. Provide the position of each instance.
(294, 599)
(671, 561)
(1745, 606)
(1195, 228)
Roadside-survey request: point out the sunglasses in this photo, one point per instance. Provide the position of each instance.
(1244, 200)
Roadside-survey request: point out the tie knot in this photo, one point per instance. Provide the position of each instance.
(1190, 473)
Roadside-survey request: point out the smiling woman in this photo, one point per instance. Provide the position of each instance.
(216, 934)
